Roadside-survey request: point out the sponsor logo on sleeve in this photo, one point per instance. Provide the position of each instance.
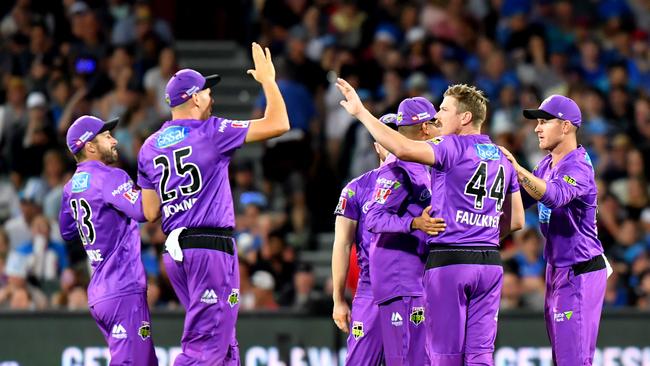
(80, 182)
(124, 187)
(171, 136)
(340, 207)
(132, 195)
(239, 124)
(544, 213)
(436, 140)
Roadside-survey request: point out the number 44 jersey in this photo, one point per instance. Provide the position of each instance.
(186, 163)
(473, 178)
(100, 207)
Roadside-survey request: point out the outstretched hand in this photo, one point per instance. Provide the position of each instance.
(264, 70)
(352, 104)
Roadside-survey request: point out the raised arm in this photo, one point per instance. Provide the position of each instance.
(276, 120)
(398, 145)
(344, 231)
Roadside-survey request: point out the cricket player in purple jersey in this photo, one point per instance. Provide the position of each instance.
(183, 171)
(481, 204)
(100, 209)
(397, 247)
(365, 341)
(576, 272)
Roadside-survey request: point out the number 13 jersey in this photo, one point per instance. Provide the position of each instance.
(186, 163)
(101, 207)
(473, 178)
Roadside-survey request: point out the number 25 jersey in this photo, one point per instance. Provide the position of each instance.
(472, 178)
(186, 163)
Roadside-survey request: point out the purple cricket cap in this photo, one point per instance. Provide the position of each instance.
(556, 106)
(185, 83)
(413, 111)
(84, 129)
(390, 120)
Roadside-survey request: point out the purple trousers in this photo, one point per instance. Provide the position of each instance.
(126, 325)
(572, 312)
(364, 342)
(207, 285)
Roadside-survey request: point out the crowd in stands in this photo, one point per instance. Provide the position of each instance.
(113, 58)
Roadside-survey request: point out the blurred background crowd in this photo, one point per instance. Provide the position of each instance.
(63, 59)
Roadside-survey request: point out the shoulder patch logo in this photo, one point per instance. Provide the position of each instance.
(436, 140)
(80, 182)
(569, 180)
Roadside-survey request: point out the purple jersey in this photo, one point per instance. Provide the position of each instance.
(101, 206)
(402, 191)
(567, 211)
(355, 199)
(475, 178)
(186, 162)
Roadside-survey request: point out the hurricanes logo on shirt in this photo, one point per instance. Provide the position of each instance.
(417, 315)
(118, 332)
(209, 297)
(145, 330)
(357, 330)
(233, 298)
(348, 192)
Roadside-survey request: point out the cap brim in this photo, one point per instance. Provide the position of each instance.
(109, 125)
(211, 80)
(537, 114)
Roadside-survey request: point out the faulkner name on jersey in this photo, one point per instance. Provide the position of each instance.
(474, 219)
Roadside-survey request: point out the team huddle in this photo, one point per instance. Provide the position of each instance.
(426, 224)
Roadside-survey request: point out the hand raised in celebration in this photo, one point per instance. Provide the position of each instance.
(352, 104)
(264, 70)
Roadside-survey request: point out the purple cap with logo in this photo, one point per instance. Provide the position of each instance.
(556, 106)
(185, 83)
(413, 111)
(84, 129)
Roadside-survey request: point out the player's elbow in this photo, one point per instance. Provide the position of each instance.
(151, 215)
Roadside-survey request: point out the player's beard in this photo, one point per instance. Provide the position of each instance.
(109, 155)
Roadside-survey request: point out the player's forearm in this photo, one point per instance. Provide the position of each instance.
(534, 186)
(276, 111)
(340, 266)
